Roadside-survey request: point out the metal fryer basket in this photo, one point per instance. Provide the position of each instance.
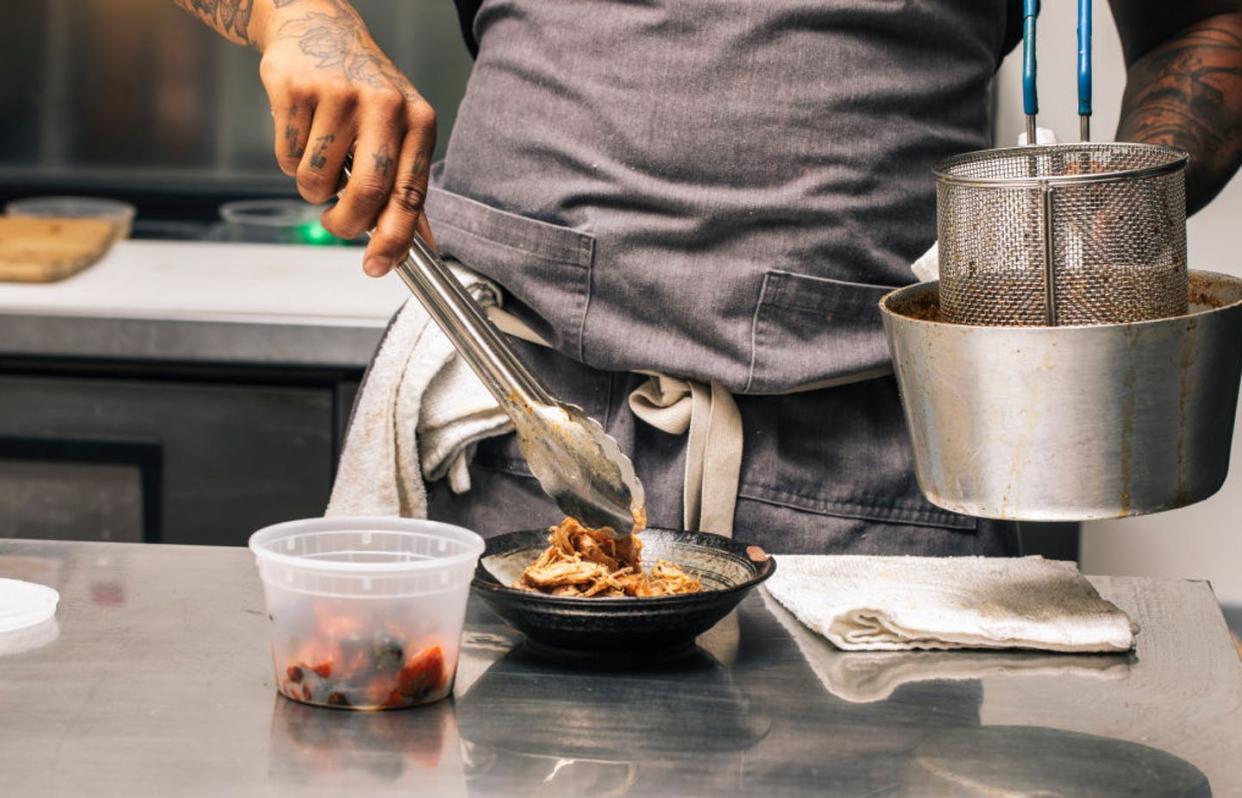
(1087, 233)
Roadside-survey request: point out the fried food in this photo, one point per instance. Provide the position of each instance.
(583, 562)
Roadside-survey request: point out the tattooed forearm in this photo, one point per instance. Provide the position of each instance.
(1187, 93)
(338, 40)
(229, 17)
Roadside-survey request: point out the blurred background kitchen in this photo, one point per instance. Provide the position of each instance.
(134, 99)
(194, 384)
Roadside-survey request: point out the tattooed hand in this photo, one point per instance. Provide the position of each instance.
(334, 93)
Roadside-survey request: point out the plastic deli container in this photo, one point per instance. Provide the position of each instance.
(275, 221)
(121, 214)
(366, 612)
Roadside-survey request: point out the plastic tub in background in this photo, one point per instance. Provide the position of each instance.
(275, 221)
(121, 214)
(366, 613)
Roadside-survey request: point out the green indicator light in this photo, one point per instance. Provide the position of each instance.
(314, 234)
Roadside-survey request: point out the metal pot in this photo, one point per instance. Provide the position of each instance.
(1069, 423)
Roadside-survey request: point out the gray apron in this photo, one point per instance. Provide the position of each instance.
(720, 190)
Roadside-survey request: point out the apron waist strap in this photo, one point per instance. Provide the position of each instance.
(706, 412)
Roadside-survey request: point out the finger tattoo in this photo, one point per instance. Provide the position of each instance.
(420, 162)
(292, 134)
(382, 160)
(317, 159)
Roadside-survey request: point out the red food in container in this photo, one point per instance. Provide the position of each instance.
(366, 613)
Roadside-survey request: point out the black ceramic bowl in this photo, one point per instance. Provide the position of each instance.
(665, 624)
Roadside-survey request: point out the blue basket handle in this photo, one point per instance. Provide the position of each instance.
(1084, 57)
(1030, 97)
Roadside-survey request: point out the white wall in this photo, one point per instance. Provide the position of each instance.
(1203, 541)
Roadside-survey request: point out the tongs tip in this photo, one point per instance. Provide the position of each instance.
(583, 468)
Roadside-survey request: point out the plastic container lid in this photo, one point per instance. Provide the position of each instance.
(30, 638)
(366, 556)
(121, 214)
(271, 213)
(25, 604)
(278, 221)
(72, 208)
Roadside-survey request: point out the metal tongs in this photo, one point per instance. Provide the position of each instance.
(578, 464)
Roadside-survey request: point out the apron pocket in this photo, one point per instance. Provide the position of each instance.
(815, 332)
(546, 267)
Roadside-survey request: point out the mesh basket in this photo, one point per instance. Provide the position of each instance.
(1062, 234)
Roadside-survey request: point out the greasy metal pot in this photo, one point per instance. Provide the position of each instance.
(1069, 423)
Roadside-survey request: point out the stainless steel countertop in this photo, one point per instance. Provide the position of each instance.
(160, 684)
(242, 341)
(260, 304)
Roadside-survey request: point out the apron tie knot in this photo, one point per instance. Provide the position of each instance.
(713, 450)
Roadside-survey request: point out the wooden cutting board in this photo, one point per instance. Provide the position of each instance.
(42, 250)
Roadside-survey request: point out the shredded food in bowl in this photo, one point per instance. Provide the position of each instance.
(585, 562)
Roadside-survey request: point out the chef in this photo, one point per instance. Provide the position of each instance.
(693, 207)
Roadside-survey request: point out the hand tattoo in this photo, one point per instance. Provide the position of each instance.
(292, 134)
(229, 17)
(1187, 94)
(382, 160)
(321, 146)
(421, 161)
(411, 191)
(339, 42)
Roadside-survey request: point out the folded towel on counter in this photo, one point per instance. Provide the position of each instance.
(419, 414)
(867, 603)
(862, 677)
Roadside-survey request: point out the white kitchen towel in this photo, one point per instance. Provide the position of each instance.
(862, 677)
(419, 414)
(869, 603)
(927, 267)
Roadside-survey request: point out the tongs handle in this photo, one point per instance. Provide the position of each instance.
(467, 327)
(574, 459)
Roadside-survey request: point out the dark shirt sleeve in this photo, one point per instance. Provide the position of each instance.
(466, 10)
(1013, 26)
